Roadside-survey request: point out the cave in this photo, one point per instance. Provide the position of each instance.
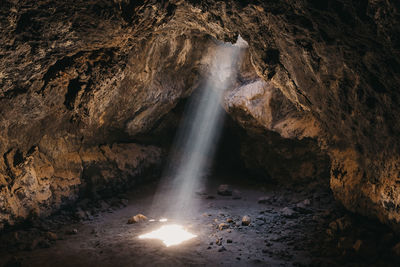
(199, 133)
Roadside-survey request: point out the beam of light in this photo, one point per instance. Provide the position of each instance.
(170, 235)
(197, 136)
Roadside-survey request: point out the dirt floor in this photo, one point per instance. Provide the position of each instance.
(296, 225)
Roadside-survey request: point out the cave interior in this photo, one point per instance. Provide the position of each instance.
(304, 169)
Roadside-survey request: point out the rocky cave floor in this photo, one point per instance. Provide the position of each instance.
(291, 225)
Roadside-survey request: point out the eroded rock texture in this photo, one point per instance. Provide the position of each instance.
(78, 74)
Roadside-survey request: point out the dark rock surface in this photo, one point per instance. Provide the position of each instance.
(79, 74)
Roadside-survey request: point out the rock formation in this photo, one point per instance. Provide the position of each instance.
(79, 80)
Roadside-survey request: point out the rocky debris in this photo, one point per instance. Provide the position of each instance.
(246, 220)
(137, 219)
(218, 242)
(223, 226)
(229, 220)
(224, 190)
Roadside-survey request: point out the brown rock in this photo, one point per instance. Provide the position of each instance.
(137, 218)
(246, 220)
(223, 226)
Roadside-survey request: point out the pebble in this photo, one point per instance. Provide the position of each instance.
(246, 220)
(229, 241)
(229, 220)
(223, 226)
(137, 218)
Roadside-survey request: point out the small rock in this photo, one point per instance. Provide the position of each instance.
(229, 241)
(221, 249)
(224, 190)
(229, 220)
(246, 220)
(264, 200)
(137, 218)
(223, 226)
(218, 241)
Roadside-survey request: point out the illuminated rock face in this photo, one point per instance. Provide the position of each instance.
(80, 74)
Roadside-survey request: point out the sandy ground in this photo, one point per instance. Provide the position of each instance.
(289, 229)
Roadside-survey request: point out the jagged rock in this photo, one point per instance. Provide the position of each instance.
(137, 218)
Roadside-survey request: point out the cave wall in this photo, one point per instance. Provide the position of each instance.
(81, 74)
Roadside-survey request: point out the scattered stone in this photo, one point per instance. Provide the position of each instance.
(246, 220)
(218, 242)
(224, 190)
(264, 200)
(137, 218)
(223, 226)
(72, 231)
(229, 241)
(229, 220)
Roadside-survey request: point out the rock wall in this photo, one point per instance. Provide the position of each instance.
(101, 72)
